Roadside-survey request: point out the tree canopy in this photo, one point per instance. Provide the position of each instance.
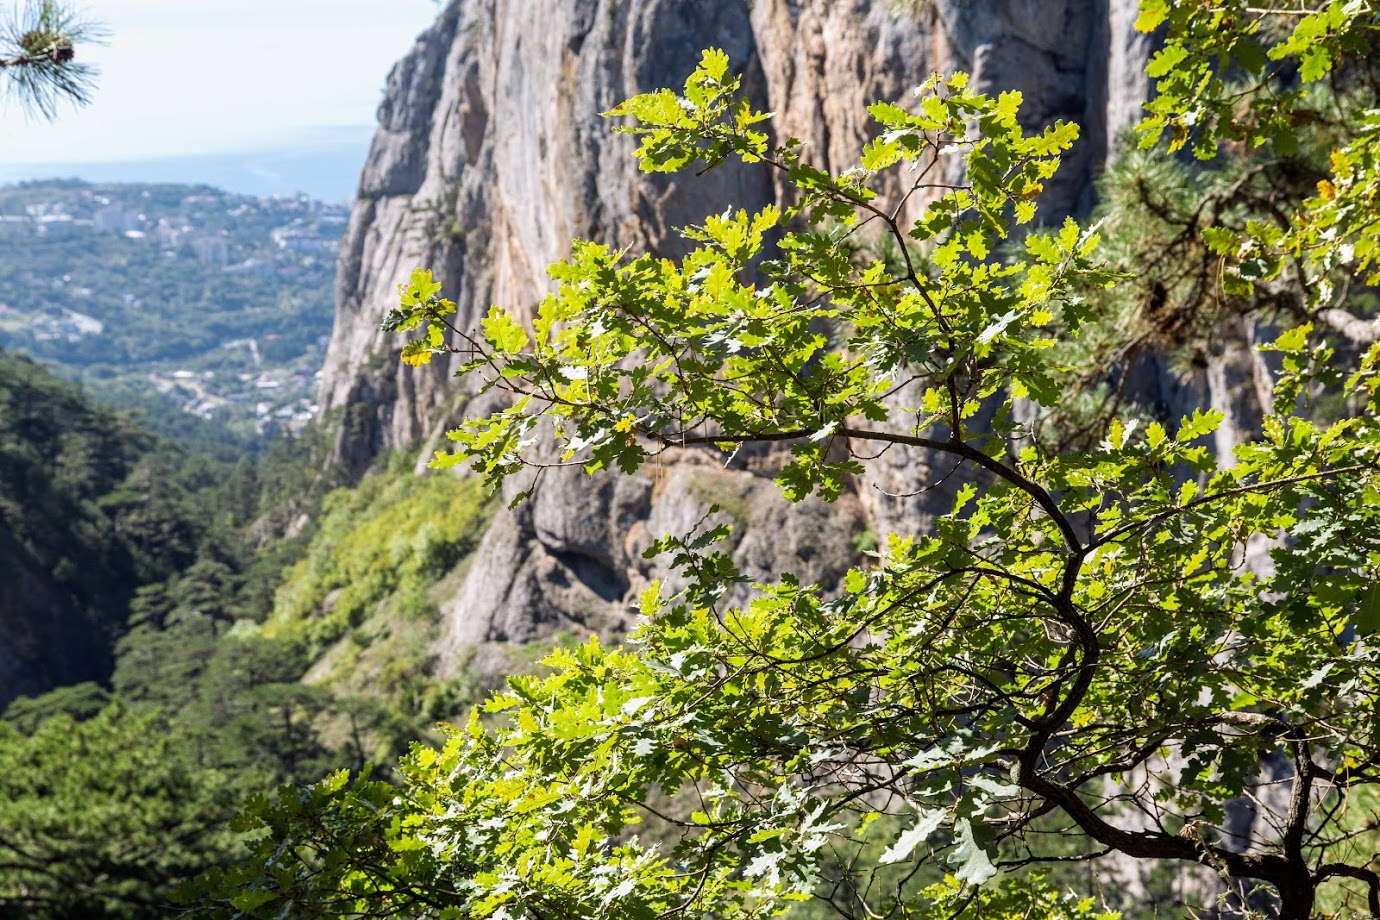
(125, 559)
(1078, 647)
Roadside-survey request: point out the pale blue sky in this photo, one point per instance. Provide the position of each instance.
(187, 77)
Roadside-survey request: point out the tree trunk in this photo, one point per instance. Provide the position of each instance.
(1296, 897)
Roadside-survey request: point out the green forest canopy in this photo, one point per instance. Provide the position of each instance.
(130, 589)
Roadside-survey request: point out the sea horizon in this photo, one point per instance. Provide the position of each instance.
(323, 163)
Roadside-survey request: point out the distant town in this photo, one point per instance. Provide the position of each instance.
(219, 303)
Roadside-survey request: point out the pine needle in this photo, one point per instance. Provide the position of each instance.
(39, 65)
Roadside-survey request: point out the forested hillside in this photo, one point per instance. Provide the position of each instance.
(113, 540)
(70, 563)
(154, 653)
(161, 563)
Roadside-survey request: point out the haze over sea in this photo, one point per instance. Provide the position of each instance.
(323, 163)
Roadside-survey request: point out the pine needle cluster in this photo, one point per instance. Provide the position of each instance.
(39, 65)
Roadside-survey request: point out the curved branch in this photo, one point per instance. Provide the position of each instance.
(954, 447)
(1358, 331)
(1342, 870)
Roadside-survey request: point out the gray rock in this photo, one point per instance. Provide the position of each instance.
(491, 156)
(571, 559)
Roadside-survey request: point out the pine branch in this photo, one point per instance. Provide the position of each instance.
(38, 57)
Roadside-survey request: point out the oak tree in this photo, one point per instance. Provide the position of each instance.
(1076, 646)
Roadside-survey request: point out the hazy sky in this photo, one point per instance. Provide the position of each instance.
(182, 77)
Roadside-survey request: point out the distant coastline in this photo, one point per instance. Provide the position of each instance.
(324, 164)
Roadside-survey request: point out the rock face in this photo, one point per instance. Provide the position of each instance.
(491, 153)
(571, 558)
(491, 156)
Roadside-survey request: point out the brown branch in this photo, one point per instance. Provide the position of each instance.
(954, 447)
(1276, 870)
(1342, 870)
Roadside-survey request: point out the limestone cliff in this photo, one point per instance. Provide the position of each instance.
(491, 155)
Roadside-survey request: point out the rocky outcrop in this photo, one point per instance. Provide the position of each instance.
(491, 153)
(571, 558)
(491, 156)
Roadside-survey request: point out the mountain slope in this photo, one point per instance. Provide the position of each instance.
(66, 569)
